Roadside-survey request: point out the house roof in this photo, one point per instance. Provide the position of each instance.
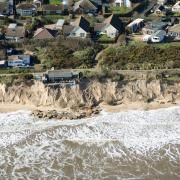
(59, 74)
(67, 29)
(44, 33)
(175, 28)
(19, 31)
(82, 23)
(52, 7)
(85, 4)
(25, 6)
(156, 25)
(114, 21)
(17, 57)
(99, 26)
(136, 21)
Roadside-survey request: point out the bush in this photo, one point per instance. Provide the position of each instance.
(141, 57)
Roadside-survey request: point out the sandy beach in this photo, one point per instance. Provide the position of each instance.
(136, 106)
(108, 108)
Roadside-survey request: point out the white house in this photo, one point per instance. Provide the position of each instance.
(25, 9)
(122, 3)
(112, 27)
(18, 60)
(176, 7)
(136, 25)
(78, 29)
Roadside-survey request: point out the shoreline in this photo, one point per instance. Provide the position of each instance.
(5, 108)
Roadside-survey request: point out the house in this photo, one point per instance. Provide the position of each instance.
(25, 9)
(53, 9)
(136, 25)
(174, 31)
(80, 28)
(158, 36)
(85, 7)
(57, 76)
(151, 27)
(112, 27)
(19, 60)
(15, 32)
(122, 3)
(44, 33)
(176, 7)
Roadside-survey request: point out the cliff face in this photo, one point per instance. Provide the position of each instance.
(91, 93)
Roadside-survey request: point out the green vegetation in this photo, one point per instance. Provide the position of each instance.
(66, 53)
(56, 2)
(120, 10)
(143, 57)
(105, 39)
(174, 78)
(16, 79)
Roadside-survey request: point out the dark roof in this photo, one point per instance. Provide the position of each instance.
(52, 7)
(44, 33)
(19, 31)
(25, 6)
(82, 23)
(59, 74)
(156, 25)
(114, 21)
(67, 29)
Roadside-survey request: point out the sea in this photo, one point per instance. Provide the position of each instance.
(130, 145)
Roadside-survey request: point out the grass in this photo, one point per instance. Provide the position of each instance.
(120, 10)
(163, 45)
(56, 2)
(174, 78)
(176, 14)
(105, 38)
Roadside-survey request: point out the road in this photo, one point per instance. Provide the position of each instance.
(94, 69)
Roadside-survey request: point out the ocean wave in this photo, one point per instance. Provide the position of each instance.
(132, 144)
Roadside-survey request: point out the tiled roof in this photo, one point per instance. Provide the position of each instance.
(44, 33)
(25, 6)
(19, 31)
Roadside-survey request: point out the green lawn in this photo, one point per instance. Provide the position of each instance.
(56, 2)
(160, 45)
(120, 10)
(105, 38)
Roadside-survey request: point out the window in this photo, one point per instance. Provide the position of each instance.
(82, 34)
